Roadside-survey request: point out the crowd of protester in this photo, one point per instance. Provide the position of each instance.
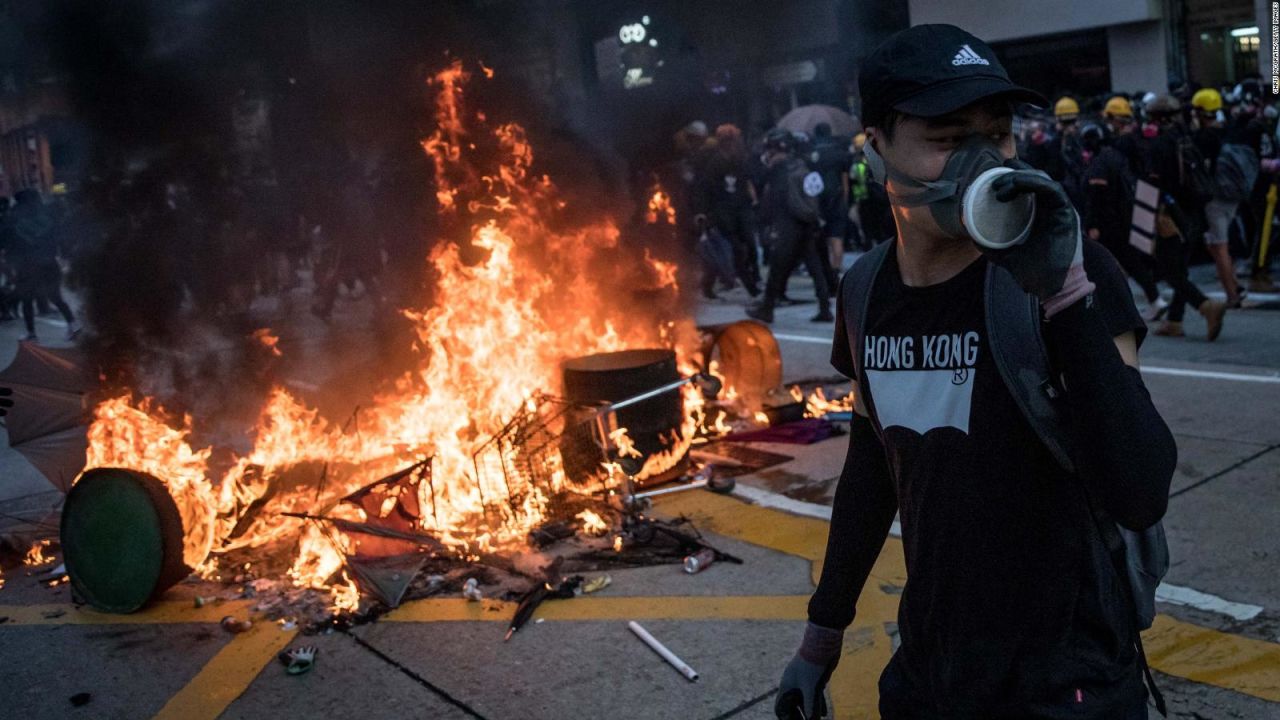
(789, 200)
(754, 210)
(1209, 154)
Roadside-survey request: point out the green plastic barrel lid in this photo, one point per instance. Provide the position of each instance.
(120, 533)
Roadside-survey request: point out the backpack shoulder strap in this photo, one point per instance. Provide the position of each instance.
(1013, 329)
(855, 296)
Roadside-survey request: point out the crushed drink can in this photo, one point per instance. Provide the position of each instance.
(699, 561)
(234, 626)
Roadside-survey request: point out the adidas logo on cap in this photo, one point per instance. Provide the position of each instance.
(967, 56)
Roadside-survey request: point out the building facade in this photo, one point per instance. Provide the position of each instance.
(1089, 47)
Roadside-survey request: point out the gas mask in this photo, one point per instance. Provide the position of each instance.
(961, 200)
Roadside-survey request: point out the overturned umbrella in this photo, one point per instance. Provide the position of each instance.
(46, 419)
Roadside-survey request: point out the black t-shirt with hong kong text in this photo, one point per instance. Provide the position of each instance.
(1011, 607)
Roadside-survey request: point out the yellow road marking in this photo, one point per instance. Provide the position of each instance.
(228, 674)
(1177, 648)
(855, 683)
(160, 613)
(1221, 659)
(666, 607)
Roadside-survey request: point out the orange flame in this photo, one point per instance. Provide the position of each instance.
(35, 554)
(660, 208)
(818, 405)
(268, 340)
(593, 524)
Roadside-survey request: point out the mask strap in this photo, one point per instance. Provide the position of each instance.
(932, 190)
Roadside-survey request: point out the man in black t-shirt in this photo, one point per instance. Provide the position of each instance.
(1013, 607)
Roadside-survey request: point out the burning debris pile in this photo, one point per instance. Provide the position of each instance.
(473, 423)
(557, 371)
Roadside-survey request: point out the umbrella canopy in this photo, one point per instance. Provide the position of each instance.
(46, 427)
(806, 117)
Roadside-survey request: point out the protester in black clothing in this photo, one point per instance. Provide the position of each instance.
(831, 159)
(1012, 607)
(32, 248)
(1172, 171)
(680, 178)
(1108, 215)
(1235, 169)
(794, 220)
(1064, 153)
(725, 199)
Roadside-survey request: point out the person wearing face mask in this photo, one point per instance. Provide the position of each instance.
(1014, 606)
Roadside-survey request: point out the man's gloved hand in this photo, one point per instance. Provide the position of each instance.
(805, 677)
(5, 401)
(1049, 264)
(1040, 263)
(800, 692)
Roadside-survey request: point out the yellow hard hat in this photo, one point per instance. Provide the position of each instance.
(1066, 107)
(1207, 100)
(859, 140)
(1118, 106)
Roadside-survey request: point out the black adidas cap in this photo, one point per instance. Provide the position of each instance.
(931, 70)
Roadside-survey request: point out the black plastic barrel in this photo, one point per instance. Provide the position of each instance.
(613, 377)
(121, 539)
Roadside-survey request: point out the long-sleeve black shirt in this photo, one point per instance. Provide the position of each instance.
(1012, 604)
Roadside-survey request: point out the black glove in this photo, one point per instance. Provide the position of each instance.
(800, 692)
(1041, 263)
(5, 402)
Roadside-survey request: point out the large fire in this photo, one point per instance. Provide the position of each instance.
(495, 334)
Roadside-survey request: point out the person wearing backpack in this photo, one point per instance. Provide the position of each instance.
(1108, 216)
(980, 373)
(1180, 173)
(791, 207)
(1235, 170)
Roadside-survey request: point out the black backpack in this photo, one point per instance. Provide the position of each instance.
(1235, 172)
(1013, 327)
(1195, 176)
